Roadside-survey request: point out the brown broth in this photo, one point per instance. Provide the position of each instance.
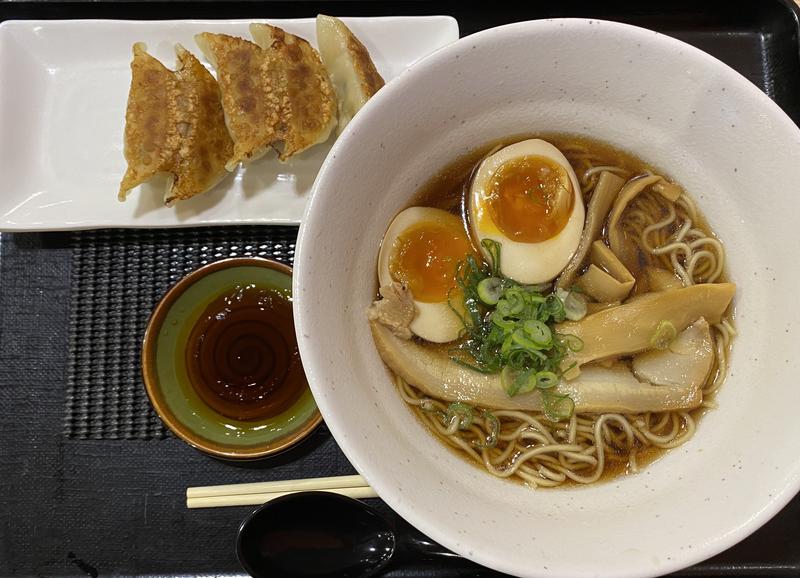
(447, 191)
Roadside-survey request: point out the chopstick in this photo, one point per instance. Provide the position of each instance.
(303, 485)
(257, 499)
(259, 493)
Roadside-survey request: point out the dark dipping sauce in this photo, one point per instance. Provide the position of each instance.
(242, 356)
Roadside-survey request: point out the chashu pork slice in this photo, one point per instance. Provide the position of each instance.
(686, 362)
(597, 390)
(661, 380)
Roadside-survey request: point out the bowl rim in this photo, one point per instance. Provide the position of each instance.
(368, 466)
(153, 386)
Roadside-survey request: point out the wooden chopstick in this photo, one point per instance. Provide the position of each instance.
(259, 493)
(303, 485)
(257, 499)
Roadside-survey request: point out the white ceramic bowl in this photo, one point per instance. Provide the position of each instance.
(669, 103)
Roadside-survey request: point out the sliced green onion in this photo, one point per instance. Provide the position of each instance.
(533, 354)
(538, 332)
(534, 298)
(519, 358)
(527, 381)
(493, 248)
(557, 406)
(573, 342)
(512, 303)
(462, 412)
(546, 379)
(494, 431)
(505, 348)
(665, 333)
(520, 337)
(502, 322)
(509, 328)
(468, 274)
(575, 306)
(451, 295)
(496, 335)
(525, 358)
(490, 290)
(508, 378)
(516, 382)
(555, 307)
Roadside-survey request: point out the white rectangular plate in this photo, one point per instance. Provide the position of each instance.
(63, 93)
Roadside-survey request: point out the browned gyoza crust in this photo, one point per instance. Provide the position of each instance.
(274, 93)
(150, 135)
(174, 125)
(370, 79)
(253, 93)
(311, 112)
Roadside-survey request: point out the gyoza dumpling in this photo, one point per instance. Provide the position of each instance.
(174, 125)
(253, 94)
(349, 65)
(311, 114)
(275, 93)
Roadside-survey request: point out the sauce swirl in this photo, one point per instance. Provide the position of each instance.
(242, 357)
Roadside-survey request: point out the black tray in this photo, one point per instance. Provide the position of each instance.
(91, 483)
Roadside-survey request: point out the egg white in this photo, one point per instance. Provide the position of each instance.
(527, 262)
(435, 321)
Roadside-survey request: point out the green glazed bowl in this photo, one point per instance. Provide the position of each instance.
(166, 378)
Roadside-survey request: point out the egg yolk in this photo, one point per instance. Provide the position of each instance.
(530, 199)
(425, 257)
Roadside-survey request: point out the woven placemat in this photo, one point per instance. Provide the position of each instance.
(118, 276)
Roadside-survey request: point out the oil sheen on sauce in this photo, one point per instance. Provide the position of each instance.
(242, 356)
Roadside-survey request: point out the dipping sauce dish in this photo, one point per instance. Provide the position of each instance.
(220, 361)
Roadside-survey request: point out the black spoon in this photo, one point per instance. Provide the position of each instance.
(317, 534)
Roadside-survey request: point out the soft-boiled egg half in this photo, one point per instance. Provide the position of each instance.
(421, 249)
(527, 198)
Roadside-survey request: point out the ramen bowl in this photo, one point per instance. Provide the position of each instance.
(671, 105)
